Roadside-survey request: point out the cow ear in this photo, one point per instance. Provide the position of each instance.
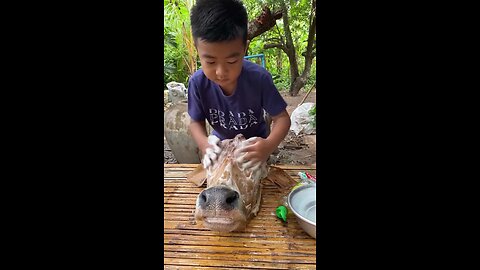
(197, 176)
(280, 178)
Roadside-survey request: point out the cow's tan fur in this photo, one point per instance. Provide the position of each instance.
(226, 171)
(229, 172)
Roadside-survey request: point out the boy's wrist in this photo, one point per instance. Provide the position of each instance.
(204, 145)
(271, 144)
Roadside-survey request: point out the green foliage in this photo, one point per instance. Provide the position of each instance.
(179, 54)
(177, 49)
(313, 111)
(276, 60)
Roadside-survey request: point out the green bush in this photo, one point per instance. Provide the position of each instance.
(313, 112)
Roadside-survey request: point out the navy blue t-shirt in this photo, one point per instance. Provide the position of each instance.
(242, 112)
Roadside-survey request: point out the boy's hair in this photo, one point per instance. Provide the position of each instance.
(219, 20)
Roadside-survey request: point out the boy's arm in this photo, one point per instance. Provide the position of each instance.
(210, 146)
(280, 126)
(260, 148)
(199, 134)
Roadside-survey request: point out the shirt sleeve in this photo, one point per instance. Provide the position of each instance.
(195, 109)
(272, 102)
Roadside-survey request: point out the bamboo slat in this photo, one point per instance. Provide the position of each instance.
(266, 243)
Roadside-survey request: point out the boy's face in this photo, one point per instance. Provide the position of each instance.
(222, 61)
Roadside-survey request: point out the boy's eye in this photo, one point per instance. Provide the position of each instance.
(210, 63)
(232, 62)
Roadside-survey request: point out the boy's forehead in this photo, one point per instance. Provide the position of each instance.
(221, 49)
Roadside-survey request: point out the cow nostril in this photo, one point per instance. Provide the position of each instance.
(202, 199)
(232, 197)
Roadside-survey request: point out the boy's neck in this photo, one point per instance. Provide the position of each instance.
(229, 89)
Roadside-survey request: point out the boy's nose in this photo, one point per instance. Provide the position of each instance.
(221, 72)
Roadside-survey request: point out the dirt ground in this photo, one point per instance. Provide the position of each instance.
(294, 150)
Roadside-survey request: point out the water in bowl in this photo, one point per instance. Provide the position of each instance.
(311, 212)
(305, 204)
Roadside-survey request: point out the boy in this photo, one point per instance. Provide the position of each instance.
(230, 92)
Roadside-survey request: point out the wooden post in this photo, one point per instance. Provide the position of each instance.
(306, 95)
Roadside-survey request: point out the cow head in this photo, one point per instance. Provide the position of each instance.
(233, 193)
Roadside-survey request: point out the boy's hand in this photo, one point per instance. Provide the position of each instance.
(212, 151)
(253, 152)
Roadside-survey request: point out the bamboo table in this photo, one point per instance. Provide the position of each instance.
(267, 243)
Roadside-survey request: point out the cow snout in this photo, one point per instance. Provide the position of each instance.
(219, 197)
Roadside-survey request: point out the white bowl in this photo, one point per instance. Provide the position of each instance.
(303, 203)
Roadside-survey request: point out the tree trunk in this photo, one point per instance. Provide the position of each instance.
(301, 80)
(264, 22)
(279, 61)
(289, 47)
(297, 81)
